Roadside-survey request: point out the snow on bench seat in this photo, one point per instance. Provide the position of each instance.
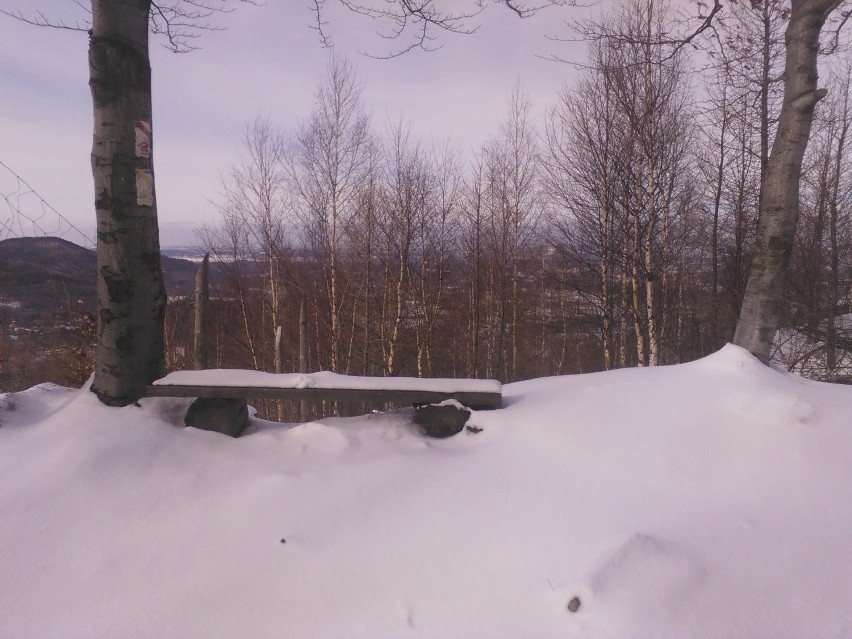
(238, 383)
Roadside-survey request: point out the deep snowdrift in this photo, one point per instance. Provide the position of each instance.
(711, 499)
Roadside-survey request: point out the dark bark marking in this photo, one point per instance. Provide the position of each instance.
(117, 68)
(119, 286)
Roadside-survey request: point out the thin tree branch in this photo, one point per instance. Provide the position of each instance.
(420, 19)
(591, 31)
(180, 21)
(40, 20)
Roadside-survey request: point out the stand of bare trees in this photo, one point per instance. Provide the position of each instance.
(621, 166)
(632, 231)
(618, 231)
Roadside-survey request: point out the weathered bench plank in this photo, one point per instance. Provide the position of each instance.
(242, 384)
(482, 400)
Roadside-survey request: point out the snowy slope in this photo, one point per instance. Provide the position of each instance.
(711, 499)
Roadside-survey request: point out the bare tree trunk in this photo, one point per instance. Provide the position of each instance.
(634, 283)
(247, 326)
(303, 352)
(648, 263)
(649, 145)
(328, 170)
(513, 370)
(390, 359)
(274, 306)
(476, 289)
(563, 346)
(764, 296)
(131, 294)
(279, 368)
(278, 361)
(765, 81)
(368, 284)
(202, 321)
(718, 187)
(625, 267)
(332, 293)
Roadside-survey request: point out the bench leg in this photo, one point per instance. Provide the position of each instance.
(441, 421)
(226, 416)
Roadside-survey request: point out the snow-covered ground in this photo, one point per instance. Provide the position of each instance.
(711, 499)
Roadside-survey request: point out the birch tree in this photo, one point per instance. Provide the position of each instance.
(779, 209)
(329, 165)
(401, 218)
(256, 208)
(583, 163)
(648, 85)
(472, 243)
(630, 122)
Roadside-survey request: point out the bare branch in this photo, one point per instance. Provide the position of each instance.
(592, 31)
(40, 20)
(320, 23)
(835, 33)
(417, 21)
(180, 21)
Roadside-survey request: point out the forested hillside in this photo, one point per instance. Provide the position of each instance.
(47, 306)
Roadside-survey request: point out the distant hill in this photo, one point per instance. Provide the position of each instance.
(45, 278)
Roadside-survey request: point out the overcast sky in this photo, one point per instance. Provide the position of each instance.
(267, 60)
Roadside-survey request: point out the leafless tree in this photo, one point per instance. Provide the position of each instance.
(328, 169)
(819, 272)
(402, 214)
(435, 244)
(624, 190)
(255, 209)
(473, 255)
(764, 297)
(583, 163)
(364, 240)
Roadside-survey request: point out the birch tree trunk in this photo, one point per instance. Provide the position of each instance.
(764, 295)
(201, 333)
(329, 170)
(131, 294)
(303, 352)
(641, 358)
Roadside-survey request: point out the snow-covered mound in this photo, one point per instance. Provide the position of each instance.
(711, 499)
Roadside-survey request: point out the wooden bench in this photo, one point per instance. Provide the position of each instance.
(477, 394)
(238, 384)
